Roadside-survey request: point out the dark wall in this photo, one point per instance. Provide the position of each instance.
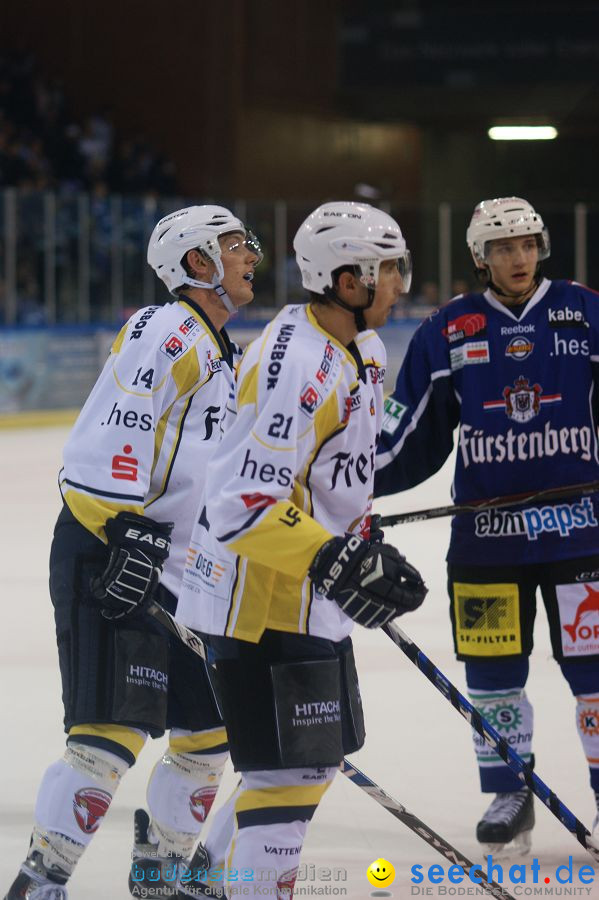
(241, 94)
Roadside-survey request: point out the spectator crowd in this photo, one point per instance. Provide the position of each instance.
(44, 146)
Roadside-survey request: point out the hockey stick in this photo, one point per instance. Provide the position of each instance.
(418, 827)
(437, 512)
(493, 739)
(189, 637)
(191, 640)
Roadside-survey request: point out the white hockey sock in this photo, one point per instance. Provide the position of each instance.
(271, 853)
(221, 830)
(267, 840)
(73, 797)
(511, 714)
(180, 793)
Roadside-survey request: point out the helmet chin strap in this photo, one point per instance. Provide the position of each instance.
(225, 299)
(520, 297)
(358, 311)
(219, 290)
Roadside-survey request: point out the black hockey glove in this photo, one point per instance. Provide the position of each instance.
(138, 548)
(372, 583)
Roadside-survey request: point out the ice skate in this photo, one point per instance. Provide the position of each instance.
(147, 868)
(192, 886)
(506, 827)
(32, 884)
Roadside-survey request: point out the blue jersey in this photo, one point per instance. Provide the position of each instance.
(523, 392)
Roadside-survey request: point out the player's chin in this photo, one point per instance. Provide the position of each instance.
(245, 295)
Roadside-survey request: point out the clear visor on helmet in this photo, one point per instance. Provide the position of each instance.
(404, 264)
(541, 238)
(404, 267)
(235, 243)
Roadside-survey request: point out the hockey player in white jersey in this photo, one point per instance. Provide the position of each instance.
(281, 563)
(134, 465)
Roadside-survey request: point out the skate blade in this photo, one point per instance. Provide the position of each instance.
(520, 846)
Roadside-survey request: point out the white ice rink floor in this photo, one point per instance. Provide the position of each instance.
(418, 748)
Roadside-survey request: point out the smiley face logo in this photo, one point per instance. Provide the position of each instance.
(380, 873)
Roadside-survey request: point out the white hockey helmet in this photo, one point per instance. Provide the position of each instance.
(504, 217)
(342, 233)
(192, 228)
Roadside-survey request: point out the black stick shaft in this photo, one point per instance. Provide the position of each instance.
(493, 739)
(420, 828)
(438, 512)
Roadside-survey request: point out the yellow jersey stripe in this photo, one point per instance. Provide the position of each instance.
(281, 795)
(118, 341)
(119, 734)
(295, 554)
(93, 512)
(247, 392)
(200, 740)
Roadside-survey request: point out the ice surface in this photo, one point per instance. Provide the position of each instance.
(418, 748)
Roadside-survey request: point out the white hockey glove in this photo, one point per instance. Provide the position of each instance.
(372, 583)
(138, 548)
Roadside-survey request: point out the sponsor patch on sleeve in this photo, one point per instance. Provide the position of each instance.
(173, 346)
(393, 415)
(470, 353)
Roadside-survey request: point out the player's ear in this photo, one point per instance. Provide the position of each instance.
(197, 265)
(347, 283)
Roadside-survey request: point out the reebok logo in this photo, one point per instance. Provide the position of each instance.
(517, 329)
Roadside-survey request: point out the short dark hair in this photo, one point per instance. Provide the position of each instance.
(336, 273)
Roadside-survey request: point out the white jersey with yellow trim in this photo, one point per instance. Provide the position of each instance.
(296, 468)
(152, 421)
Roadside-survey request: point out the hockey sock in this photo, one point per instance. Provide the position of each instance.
(180, 793)
(272, 812)
(72, 800)
(510, 713)
(221, 830)
(587, 723)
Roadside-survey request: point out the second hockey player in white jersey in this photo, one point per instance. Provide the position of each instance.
(281, 564)
(134, 465)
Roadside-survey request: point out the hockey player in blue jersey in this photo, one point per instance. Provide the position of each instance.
(516, 370)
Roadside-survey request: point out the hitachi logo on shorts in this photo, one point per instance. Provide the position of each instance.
(477, 446)
(317, 708)
(147, 672)
(536, 520)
